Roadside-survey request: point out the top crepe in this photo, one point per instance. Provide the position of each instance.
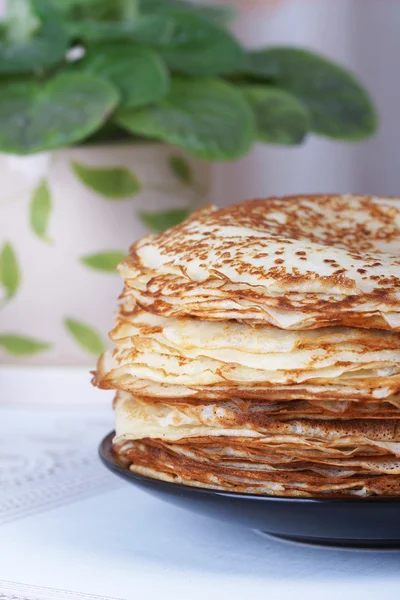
(297, 262)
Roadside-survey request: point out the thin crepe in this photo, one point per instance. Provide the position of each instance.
(169, 357)
(297, 263)
(138, 419)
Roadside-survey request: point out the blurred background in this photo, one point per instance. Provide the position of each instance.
(360, 34)
(69, 211)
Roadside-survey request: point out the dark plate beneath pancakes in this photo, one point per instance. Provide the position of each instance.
(342, 522)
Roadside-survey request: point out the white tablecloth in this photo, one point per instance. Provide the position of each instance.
(69, 530)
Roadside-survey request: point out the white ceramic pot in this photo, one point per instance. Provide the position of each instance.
(65, 219)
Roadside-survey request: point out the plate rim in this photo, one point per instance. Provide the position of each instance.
(105, 455)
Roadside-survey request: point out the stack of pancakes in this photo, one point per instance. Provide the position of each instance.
(256, 349)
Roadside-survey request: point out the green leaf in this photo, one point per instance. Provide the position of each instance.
(9, 271)
(219, 14)
(104, 261)
(87, 337)
(207, 117)
(40, 210)
(34, 54)
(181, 169)
(188, 42)
(222, 15)
(339, 107)
(151, 29)
(280, 118)
(22, 346)
(36, 117)
(110, 182)
(200, 47)
(160, 221)
(66, 5)
(147, 29)
(138, 73)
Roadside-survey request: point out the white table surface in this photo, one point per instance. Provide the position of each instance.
(69, 530)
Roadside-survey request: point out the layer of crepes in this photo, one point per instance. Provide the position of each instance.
(240, 465)
(263, 448)
(179, 421)
(244, 448)
(145, 416)
(169, 357)
(296, 262)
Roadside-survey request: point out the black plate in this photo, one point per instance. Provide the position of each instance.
(352, 522)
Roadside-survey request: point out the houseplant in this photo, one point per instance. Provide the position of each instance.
(99, 98)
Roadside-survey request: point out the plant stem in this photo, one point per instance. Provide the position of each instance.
(129, 9)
